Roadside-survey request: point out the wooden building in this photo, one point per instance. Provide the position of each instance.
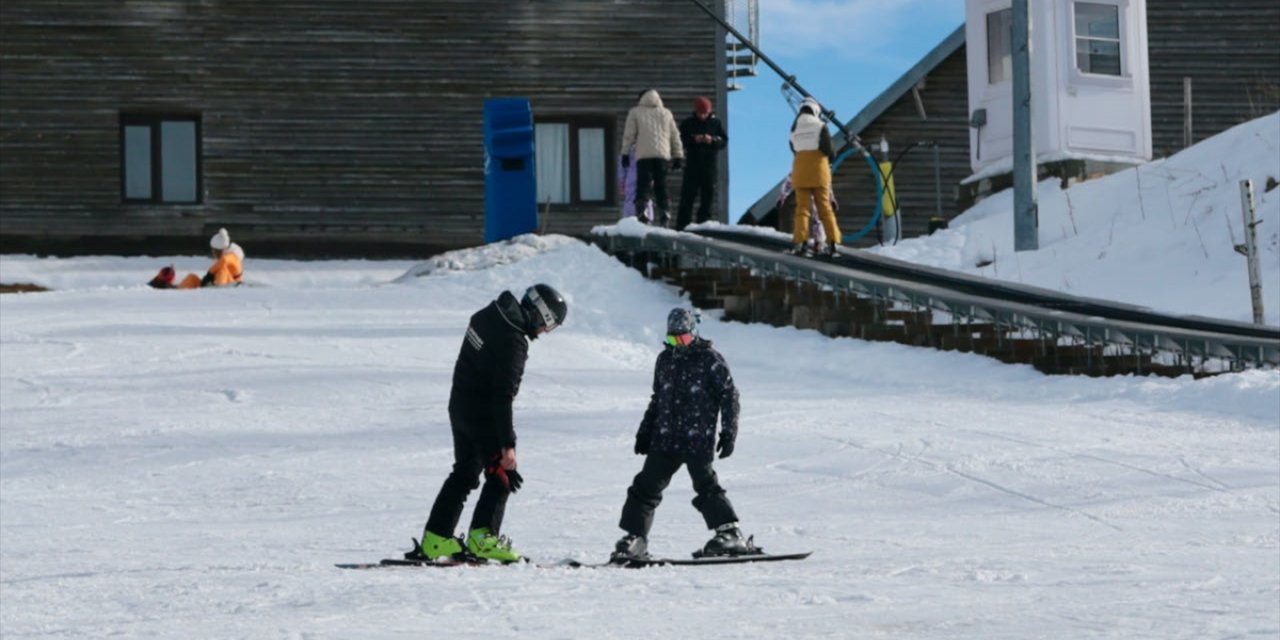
(1225, 51)
(317, 127)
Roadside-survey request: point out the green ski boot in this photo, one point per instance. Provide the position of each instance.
(486, 545)
(436, 546)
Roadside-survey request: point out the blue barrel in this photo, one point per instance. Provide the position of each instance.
(510, 187)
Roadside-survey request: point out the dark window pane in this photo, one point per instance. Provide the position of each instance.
(551, 161)
(999, 46)
(137, 162)
(1098, 56)
(178, 154)
(1097, 20)
(591, 165)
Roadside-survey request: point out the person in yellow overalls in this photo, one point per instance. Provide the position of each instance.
(811, 175)
(227, 269)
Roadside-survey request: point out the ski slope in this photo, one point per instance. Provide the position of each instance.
(192, 464)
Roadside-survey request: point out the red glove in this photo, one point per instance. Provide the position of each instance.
(510, 478)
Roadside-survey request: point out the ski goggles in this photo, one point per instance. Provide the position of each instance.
(548, 318)
(682, 340)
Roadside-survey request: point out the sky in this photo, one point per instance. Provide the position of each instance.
(844, 53)
(191, 464)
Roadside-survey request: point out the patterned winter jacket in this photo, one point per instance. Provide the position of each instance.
(691, 385)
(651, 127)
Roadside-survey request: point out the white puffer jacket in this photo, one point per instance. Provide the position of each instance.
(651, 127)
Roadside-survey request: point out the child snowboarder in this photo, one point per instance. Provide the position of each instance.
(817, 236)
(486, 379)
(691, 386)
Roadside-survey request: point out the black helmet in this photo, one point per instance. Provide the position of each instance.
(545, 308)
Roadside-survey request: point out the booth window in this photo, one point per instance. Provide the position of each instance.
(572, 160)
(1098, 38)
(160, 158)
(999, 46)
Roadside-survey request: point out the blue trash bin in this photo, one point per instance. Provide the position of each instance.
(510, 187)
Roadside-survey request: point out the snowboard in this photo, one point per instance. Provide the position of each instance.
(407, 562)
(628, 563)
(640, 563)
(813, 255)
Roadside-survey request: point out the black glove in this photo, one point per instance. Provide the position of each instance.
(677, 163)
(626, 161)
(642, 444)
(511, 479)
(725, 447)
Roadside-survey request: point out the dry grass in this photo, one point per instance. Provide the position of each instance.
(21, 288)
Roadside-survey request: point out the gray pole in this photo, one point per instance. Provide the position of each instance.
(722, 106)
(1026, 214)
(1187, 134)
(1251, 250)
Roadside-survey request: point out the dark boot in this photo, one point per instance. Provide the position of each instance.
(728, 541)
(631, 546)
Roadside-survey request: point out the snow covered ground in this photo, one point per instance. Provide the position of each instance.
(192, 464)
(1161, 235)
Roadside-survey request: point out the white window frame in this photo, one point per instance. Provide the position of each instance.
(1080, 76)
(568, 177)
(158, 167)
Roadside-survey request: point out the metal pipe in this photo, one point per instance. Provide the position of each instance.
(830, 114)
(1026, 215)
(1251, 250)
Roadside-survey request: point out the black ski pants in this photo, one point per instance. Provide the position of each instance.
(700, 183)
(469, 462)
(645, 493)
(651, 178)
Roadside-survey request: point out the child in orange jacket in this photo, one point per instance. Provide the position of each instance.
(227, 268)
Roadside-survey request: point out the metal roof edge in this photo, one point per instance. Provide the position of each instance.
(902, 85)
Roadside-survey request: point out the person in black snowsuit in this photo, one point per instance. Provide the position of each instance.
(703, 137)
(486, 379)
(691, 387)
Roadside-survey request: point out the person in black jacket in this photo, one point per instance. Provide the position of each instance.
(703, 137)
(486, 379)
(691, 387)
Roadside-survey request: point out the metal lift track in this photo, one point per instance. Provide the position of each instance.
(960, 303)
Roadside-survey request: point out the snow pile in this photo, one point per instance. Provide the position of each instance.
(487, 256)
(1161, 235)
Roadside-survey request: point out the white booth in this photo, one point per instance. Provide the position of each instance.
(1091, 98)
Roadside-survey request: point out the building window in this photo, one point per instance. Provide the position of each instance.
(1098, 38)
(572, 160)
(160, 158)
(999, 46)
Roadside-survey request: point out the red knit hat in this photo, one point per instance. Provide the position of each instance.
(701, 104)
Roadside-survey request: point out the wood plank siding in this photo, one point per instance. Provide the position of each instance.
(1231, 51)
(946, 104)
(325, 126)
